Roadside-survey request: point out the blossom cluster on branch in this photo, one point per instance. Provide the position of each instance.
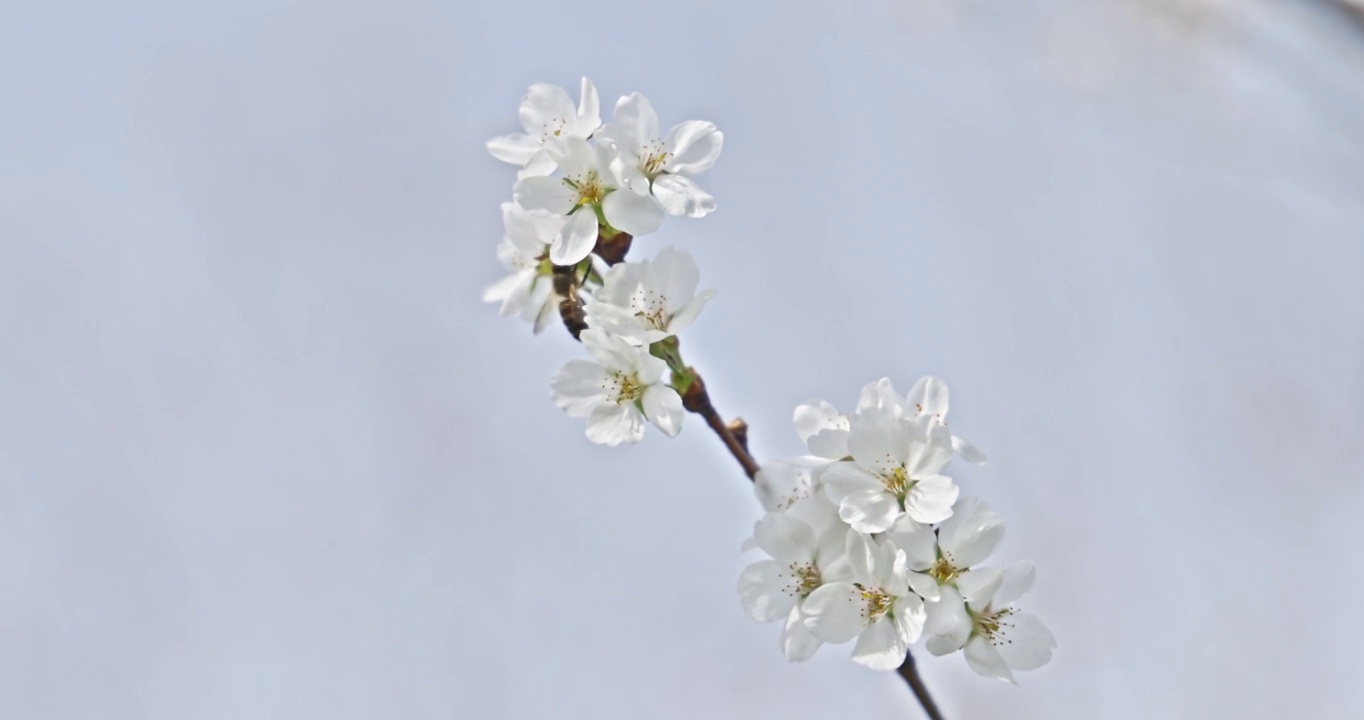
(866, 538)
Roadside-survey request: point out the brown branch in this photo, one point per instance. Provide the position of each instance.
(910, 672)
(697, 400)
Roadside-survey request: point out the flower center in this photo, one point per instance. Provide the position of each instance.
(991, 625)
(804, 579)
(649, 307)
(943, 571)
(876, 603)
(628, 389)
(553, 128)
(589, 188)
(897, 482)
(652, 158)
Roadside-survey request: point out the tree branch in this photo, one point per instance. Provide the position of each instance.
(910, 672)
(696, 399)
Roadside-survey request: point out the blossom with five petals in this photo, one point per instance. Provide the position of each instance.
(647, 301)
(546, 113)
(617, 392)
(979, 616)
(894, 471)
(664, 165)
(589, 190)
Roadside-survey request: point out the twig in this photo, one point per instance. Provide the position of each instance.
(697, 400)
(910, 672)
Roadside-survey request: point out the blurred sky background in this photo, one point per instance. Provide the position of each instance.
(264, 454)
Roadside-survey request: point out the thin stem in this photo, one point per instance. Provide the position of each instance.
(910, 672)
(697, 400)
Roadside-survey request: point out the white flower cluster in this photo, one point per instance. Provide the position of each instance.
(869, 540)
(582, 183)
(866, 537)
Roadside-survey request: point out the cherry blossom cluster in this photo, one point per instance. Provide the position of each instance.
(868, 539)
(583, 182)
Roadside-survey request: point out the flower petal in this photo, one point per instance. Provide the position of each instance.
(968, 452)
(917, 540)
(681, 196)
(930, 447)
(834, 612)
(929, 397)
(869, 511)
(578, 387)
(576, 240)
(589, 110)
(930, 499)
(878, 440)
(687, 315)
(1017, 579)
(544, 109)
(881, 646)
(1024, 642)
(947, 626)
(978, 586)
(544, 193)
(971, 534)
(612, 424)
(763, 591)
(516, 149)
(985, 660)
(663, 407)
(635, 214)
(797, 642)
(785, 538)
(695, 145)
(909, 616)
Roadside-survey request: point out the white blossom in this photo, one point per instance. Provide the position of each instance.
(546, 113)
(876, 605)
(979, 616)
(894, 472)
(806, 545)
(588, 190)
(528, 292)
(617, 392)
(647, 301)
(664, 165)
(928, 398)
(783, 483)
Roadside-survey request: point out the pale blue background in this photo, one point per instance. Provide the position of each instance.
(263, 454)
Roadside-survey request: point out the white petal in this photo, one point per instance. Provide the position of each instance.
(909, 616)
(930, 447)
(609, 351)
(815, 416)
(881, 646)
(576, 156)
(843, 478)
(779, 484)
(544, 193)
(917, 540)
(833, 612)
(1024, 642)
(831, 444)
(985, 660)
(589, 110)
(880, 394)
(763, 591)
(539, 164)
(498, 291)
(632, 213)
(1016, 580)
(663, 407)
(972, 533)
(674, 275)
(636, 118)
(579, 387)
(784, 538)
(978, 586)
(869, 511)
(929, 396)
(878, 440)
(515, 149)
(612, 424)
(576, 241)
(861, 555)
(684, 317)
(544, 108)
(797, 642)
(968, 452)
(694, 145)
(924, 586)
(947, 626)
(649, 369)
(930, 499)
(681, 196)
